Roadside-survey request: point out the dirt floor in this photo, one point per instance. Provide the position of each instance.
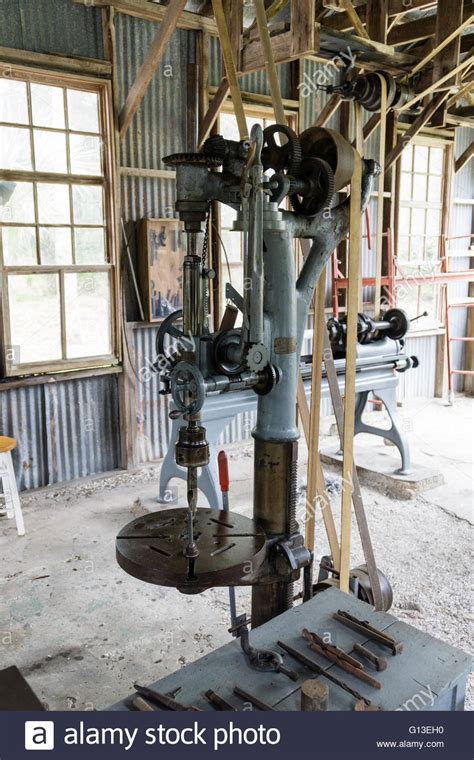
(82, 631)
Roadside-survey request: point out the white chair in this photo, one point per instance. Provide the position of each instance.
(10, 491)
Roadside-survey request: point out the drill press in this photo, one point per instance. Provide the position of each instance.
(194, 549)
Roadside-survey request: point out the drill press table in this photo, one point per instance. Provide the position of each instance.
(427, 675)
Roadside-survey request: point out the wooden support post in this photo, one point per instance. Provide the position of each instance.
(436, 85)
(213, 111)
(270, 67)
(329, 109)
(353, 290)
(380, 200)
(463, 159)
(150, 64)
(231, 72)
(448, 21)
(316, 486)
(377, 19)
(360, 29)
(417, 125)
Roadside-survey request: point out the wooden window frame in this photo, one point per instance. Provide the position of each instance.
(430, 141)
(108, 181)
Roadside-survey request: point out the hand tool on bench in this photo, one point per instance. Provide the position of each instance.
(163, 700)
(255, 701)
(305, 660)
(332, 648)
(341, 662)
(219, 702)
(379, 662)
(261, 659)
(364, 627)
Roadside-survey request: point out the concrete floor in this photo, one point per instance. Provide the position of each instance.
(82, 631)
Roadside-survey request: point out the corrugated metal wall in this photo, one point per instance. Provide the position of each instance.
(64, 430)
(51, 26)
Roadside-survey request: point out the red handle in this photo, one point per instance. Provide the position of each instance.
(223, 471)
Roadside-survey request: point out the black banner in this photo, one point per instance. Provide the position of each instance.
(248, 735)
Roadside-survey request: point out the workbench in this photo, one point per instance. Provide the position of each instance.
(427, 675)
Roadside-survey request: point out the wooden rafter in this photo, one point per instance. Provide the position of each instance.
(150, 64)
(448, 23)
(463, 159)
(421, 29)
(396, 8)
(420, 121)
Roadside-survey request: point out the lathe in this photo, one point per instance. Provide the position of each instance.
(194, 549)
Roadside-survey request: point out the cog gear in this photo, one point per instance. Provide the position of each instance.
(257, 357)
(286, 157)
(320, 176)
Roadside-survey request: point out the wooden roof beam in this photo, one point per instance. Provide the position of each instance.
(463, 159)
(421, 120)
(341, 21)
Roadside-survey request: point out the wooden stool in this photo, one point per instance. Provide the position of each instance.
(10, 490)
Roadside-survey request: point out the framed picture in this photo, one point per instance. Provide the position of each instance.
(160, 272)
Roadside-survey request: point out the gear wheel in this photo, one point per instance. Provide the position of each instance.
(281, 157)
(175, 159)
(257, 357)
(321, 178)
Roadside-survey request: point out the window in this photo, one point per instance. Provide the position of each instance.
(419, 230)
(56, 257)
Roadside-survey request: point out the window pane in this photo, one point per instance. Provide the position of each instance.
(433, 221)
(432, 247)
(405, 187)
(416, 248)
(232, 246)
(418, 221)
(228, 127)
(88, 204)
(407, 155)
(85, 155)
(16, 202)
(19, 246)
(15, 148)
(47, 105)
(228, 216)
(403, 247)
(419, 187)
(50, 151)
(87, 298)
(83, 111)
(13, 101)
(404, 221)
(35, 316)
(434, 191)
(421, 158)
(55, 245)
(53, 204)
(436, 160)
(89, 245)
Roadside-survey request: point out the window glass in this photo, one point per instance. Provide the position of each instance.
(13, 101)
(47, 106)
(15, 149)
(53, 203)
(83, 111)
(88, 204)
(89, 243)
(50, 151)
(19, 245)
(38, 339)
(85, 155)
(87, 301)
(55, 245)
